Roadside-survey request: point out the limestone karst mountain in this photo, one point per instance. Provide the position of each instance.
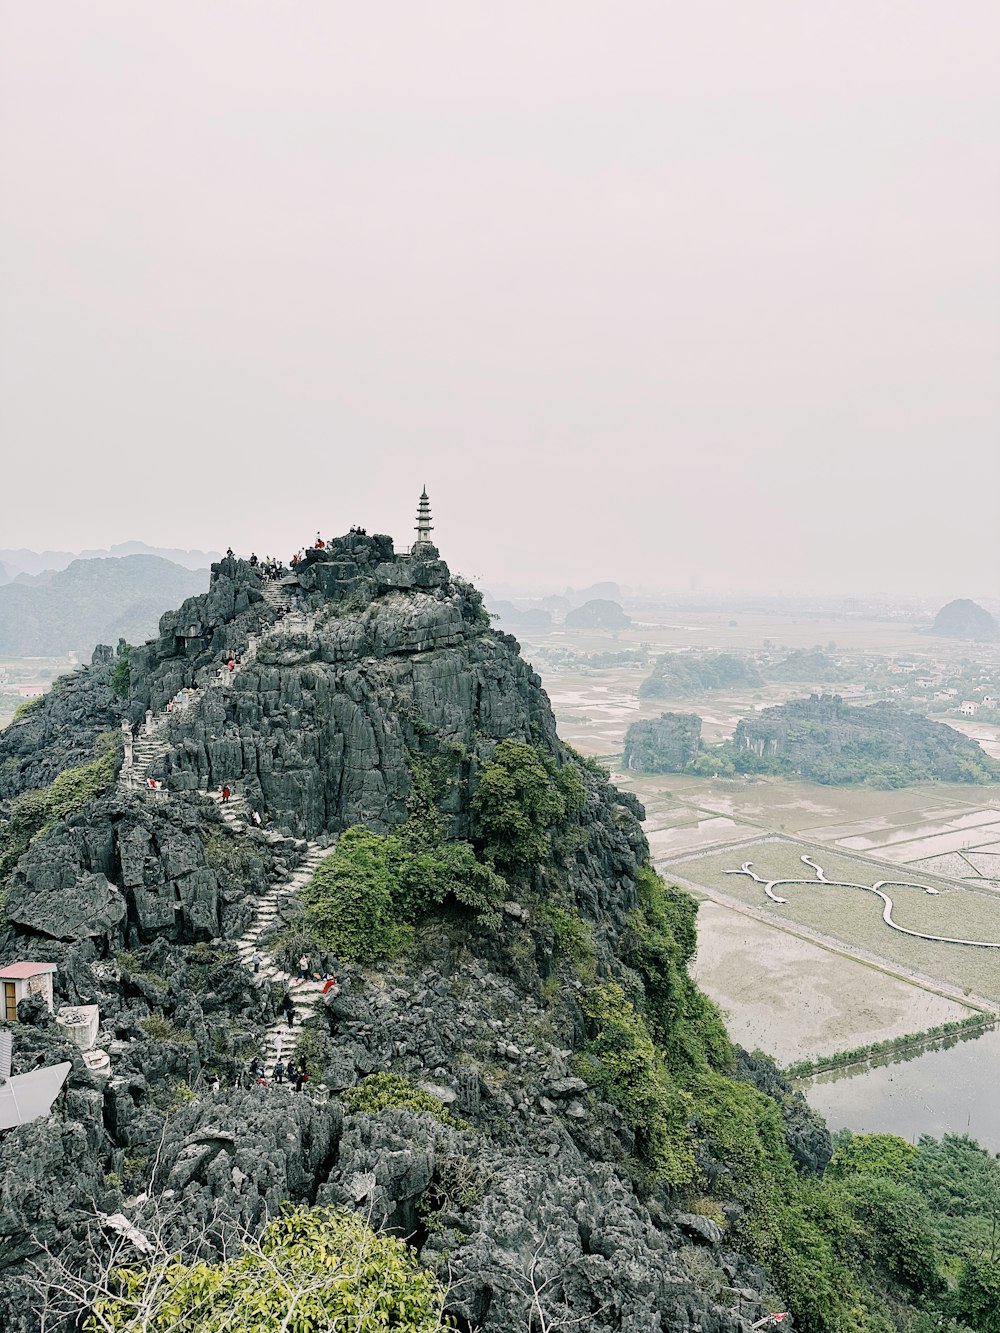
(598, 613)
(513, 1069)
(90, 601)
(965, 619)
(23, 562)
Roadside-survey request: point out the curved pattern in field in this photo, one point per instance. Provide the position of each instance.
(878, 888)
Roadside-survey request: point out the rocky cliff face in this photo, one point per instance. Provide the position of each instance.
(356, 681)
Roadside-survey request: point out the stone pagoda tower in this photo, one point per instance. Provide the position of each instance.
(423, 545)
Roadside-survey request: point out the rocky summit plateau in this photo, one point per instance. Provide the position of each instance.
(445, 916)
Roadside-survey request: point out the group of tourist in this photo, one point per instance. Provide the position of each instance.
(283, 1071)
(256, 1076)
(269, 569)
(182, 699)
(325, 972)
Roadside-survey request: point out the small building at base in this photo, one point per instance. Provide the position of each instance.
(19, 981)
(80, 1022)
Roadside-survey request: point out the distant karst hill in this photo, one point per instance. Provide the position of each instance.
(14, 562)
(92, 601)
(510, 616)
(677, 675)
(965, 619)
(598, 613)
(819, 739)
(822, 739)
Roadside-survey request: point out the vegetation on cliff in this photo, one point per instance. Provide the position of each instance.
(311, 1270)
(364, 897)
(670, 743)
(822, 739)
(32, 814)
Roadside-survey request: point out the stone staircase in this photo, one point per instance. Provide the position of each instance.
(235, 812)
(307, 996)
(278, 595)
(153, 743)
(150, 745)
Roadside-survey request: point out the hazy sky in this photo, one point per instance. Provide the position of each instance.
(647, 292)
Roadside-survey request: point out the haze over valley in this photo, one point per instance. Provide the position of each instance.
(499, 667)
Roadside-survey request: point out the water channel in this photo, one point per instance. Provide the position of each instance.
(950, 1088)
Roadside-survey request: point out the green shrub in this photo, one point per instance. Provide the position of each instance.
(311, 1271)
(121, 679)
(160, 1028)
(977, 1295)
(227, 852)
(896, 1229)
(309, 1051)
(520, 796)
(381, 1091)
(659, 945)
(574, 937)
(29, 705)
(621, 1062)
(181, 1094)
(871, 1155)
(35, 812)
(366, 894)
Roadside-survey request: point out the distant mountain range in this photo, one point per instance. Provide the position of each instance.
(14, 563)
(92, 601)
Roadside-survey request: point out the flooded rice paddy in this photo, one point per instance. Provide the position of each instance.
(822, 972)
(947, 1089)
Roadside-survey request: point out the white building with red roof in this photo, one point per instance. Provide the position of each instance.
(19, 981)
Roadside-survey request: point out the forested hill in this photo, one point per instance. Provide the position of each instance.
(514, 1071)
(678, 675)
(90, 602)
(823, 739)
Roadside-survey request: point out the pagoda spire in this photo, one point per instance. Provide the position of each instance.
(424, 526)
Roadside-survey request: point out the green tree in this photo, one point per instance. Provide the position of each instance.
(120, 672)
(872, 1155)
(897, 1229)
(365, 896)
(518, 799)
(311, 1271)
(977, 1294)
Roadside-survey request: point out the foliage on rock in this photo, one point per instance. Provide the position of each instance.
(364, 897)
(36, 811)
(311, 1271)
(822, 739)
(381, 1091)
(520, 797)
